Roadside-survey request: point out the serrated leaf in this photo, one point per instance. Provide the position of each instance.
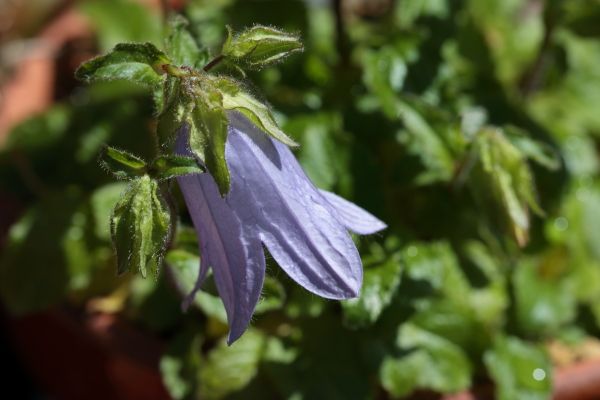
(171, 166)
(520, 370)
(235, 98)
(181, 45)
(260, 46)
(427, 142)
(140, 226)
(228, 369)
(135, 62)
(208, 134)
(379, 285)
(431, 362)
(121, 164)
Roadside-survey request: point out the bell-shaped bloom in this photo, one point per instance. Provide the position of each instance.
(271, 202)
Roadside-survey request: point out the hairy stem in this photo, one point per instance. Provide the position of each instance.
(213, 63)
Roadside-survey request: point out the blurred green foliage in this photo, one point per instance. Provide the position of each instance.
(470, 127)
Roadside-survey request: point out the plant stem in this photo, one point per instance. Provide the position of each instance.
(213, 63)
(166, 10)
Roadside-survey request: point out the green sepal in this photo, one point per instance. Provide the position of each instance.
(181, 45)
(199, 105)
(176, 106)
(140, 225)
(260, 46)
(208, 134)
(140, 63)
(235, 98)
(121, 164)
(172, 166)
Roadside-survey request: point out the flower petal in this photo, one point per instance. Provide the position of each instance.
(232, 251)
(352, 216)
(294, 220)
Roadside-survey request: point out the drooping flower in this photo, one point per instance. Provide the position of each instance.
(271, 202)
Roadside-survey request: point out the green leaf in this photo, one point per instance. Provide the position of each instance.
(260, 46)
(181, 45)
(541, 153)
(140, 63)
(445, 303)
(379, 285)
(140, 226)
(431, 362)
(46, 255)
(208, 134)
(324, 151)
(228, 369)
(180, 365)
(324, 363)
(427, 142)
(235, 98)
(384, 71)
(171, 166)
(121, 164)
(436, 265)
(520, 370)
(545, 299)
(118, 21)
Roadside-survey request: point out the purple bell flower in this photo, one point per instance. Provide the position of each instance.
(271, 202)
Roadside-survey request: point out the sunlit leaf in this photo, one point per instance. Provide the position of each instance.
(135, 62)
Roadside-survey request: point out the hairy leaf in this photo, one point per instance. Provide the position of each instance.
(181, 45)
(135, 62)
